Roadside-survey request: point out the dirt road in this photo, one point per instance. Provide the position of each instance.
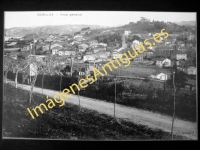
(138, 116)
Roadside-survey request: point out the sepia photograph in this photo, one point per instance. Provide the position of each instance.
(100, 75)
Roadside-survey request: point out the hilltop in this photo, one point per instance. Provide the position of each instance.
(144, 26)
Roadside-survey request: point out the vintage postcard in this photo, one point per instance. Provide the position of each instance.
(100, 75)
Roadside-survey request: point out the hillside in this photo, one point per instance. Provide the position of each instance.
(187, 23)
(144, 27)
(68, 122)
(59, 29)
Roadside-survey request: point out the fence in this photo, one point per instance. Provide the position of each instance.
(49, 82)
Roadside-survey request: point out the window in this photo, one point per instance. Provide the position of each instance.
(166, 63)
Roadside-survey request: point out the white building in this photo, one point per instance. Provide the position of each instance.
(78, 36)
(126, 33)
(181, 56)
(55, 50)
(161, 76)
(103, 44)
(115, 55)
(163, 62)
(135, 43)
(88, 58)
(66, 52)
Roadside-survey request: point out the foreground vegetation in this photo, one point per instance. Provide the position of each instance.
(67, 122)
(149, 95)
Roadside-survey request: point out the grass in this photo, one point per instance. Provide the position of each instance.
(141, 96)
(67, 122)
(136, 69)
(185, 101)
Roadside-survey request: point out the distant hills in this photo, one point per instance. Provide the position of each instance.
(187, 23)
(144, 26)
(49, 29)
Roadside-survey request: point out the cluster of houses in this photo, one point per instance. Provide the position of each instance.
(81, 47)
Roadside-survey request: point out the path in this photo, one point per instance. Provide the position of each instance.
(138, 116)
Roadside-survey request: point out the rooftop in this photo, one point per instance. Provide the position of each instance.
(66, 49)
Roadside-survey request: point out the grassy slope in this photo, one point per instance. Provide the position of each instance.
(66, 122)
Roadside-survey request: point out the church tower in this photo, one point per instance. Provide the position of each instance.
(124, 45)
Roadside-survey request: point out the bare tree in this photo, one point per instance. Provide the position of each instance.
(37, 67)
(174, 105)
(7, 66)
(19, 65)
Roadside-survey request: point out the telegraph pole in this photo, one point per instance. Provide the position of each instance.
(60, 77)
(174, 105)
(71, 66)
(115, 90)
(78, 90)
(115, 95)
(79, 97)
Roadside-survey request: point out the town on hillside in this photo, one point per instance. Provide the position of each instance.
(88, 48)
(154, 97)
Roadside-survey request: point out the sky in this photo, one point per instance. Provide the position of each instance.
(103, 18)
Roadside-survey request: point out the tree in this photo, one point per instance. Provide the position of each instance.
(143, 19)
(182, 63)
(19, 65)
(191, 54)
(44, 71)
(59, 72)
(8, 61)
(36, 68)
(180, 79)
(36, 71)
(181, 37)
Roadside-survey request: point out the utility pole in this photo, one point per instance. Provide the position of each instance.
(115, 95)
(115, 89)
(79, 96)
(174, 105)
(71, 66)
(34, 49)
(50, 46)
(164, 86)
(60, 77)
(78, 90)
